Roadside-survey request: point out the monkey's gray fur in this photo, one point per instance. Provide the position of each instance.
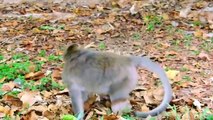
(86, 71)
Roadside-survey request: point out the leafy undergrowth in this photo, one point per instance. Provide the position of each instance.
(34, 36)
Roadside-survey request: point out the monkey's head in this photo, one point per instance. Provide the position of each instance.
(70, 51)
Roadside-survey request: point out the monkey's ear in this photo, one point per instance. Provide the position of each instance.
(72, 48)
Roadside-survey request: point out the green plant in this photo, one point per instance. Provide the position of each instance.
(187, 39)
(55, 85)
(152, 21)
(47, 83)
(175, 42)
(7, 117)
(42, 53)
(14, 93)
(39, 65)
(68, 117)
(128, 117)
(207, 45)
(20, 56)
(174, 111)
(11, 71)
(54, 58)
(206, 115)
(196, 23)
(102, 46)
(136, 36)
(46, 27)
(184, 69)
(1, 57)
(196, 52)
(186, 78)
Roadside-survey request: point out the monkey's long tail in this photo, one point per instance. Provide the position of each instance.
(154, 67)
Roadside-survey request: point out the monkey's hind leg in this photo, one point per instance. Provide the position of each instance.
(119, 96)
(85, 96)
(77, 101)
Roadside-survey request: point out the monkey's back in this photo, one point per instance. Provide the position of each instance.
(93, 69)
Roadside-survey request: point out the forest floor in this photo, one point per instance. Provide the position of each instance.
(177, 35)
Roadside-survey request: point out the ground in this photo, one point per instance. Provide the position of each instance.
(177, 35)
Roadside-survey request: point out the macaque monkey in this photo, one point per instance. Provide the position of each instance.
(86, 71)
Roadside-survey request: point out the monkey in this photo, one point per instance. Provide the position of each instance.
(88, 71)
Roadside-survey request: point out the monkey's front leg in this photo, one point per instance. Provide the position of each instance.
(77, 101)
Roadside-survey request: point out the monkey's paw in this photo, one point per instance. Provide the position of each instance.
(122, 107)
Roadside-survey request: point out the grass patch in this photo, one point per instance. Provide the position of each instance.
(16, 69)
(55, 58)
(102, 46)
(152, 22)
(136, 36)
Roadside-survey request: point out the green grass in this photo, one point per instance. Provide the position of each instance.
(1, 57)
(196, 23)
(136, 36)
(54, 58)
(11, 71)
(49, 27)
(18, 67)
(42, 53)
(152, 22)
(68, 117)
(102, 46)
(186, 78)
(207, 45)
(128, 117)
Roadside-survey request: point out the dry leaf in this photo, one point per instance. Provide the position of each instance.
(5, 110)
(8, 86)
(198, 33)
(110, 117)
(158, 93)
(172, 74)
(148, 99)
(12, 100)
(204, 56)
(29, 98)
(35, 75)
(165, 16)
(144, 108)
(102, 112)
(89, 115)
(48, 114)
(56, 74)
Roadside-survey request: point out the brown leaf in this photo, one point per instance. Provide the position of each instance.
(5, 110)
(110, 117)
(144, 108)
(89, 102)
(48, 114)
(35, 75)
(100, 112)
(56, 74)
(30, 116)
(148, 99)
(158, 93)
(12, 100)
(29, 98)
(204, 56)
(89, 115)
(198, 33)
(8, 86)
(53, 107)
